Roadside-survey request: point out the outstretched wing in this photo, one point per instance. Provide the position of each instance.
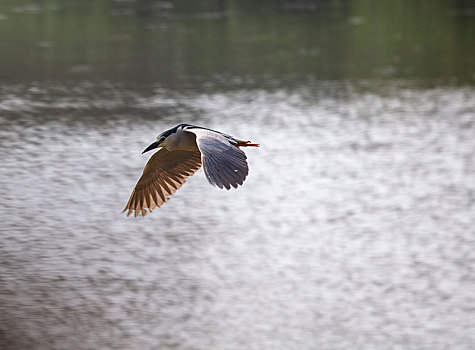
(224, 164)
(163, 175)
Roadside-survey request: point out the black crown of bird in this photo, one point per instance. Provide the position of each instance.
(183, 150)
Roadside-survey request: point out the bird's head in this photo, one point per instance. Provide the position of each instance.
(167, 139)
(158, 143)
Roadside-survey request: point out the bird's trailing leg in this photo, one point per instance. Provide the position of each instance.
(246, 144)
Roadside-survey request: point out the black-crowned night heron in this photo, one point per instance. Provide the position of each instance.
(184, 148)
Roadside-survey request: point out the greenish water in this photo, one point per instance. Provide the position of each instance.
(183, 44)
(353, 230)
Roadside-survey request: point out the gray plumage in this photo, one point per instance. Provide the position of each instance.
(184, 149)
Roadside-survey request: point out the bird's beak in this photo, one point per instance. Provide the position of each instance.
(151, 147)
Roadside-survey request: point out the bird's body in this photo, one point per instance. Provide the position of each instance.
(184, 149)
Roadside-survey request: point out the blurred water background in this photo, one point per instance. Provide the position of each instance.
(354, 230)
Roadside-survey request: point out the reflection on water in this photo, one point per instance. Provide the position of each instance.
(180, 45)
(353, 230)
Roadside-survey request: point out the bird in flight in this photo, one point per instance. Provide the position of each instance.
(184, 149)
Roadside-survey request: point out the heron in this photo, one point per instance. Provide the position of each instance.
(183, 149)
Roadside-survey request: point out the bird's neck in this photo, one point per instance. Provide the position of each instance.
(181, 141)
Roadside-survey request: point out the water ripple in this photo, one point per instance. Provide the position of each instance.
(354, 228)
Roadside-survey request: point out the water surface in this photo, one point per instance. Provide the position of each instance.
(354, 229)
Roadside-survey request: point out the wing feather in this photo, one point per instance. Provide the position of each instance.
(172, 181)
(163, 175)
(225, 164)
(154, 193)
(159, 191)
(165, 187)
(147, 198)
